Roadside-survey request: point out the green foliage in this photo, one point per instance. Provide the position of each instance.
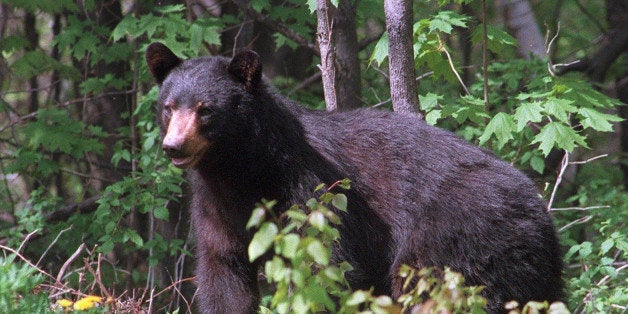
(17, 284)
(597, 280)
(300, 269)
(440, 291)
(52, 132)
(145, 190)
(170, 25)
(428, 45)
(498, 40)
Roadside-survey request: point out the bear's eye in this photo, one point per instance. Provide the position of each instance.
(204, 115)
(167, 111)
(204, 112)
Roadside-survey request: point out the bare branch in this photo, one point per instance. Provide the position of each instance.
(53, 243)
(485, 57)
(307, 82)
(86, 206)
(69, 261)
(559, 179)
(28, 237)
(453, 68)
(588, 160)
(580, 208)
(576, 222)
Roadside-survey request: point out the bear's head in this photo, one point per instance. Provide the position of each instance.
(201, 101)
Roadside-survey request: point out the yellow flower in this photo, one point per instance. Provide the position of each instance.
(87, 302)
(64, 303)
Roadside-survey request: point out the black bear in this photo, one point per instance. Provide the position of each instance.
(419, 196)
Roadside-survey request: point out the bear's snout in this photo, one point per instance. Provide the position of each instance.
(182, 143)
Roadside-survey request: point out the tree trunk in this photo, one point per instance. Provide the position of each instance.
(521, 24)
(617, 17)
(403, 86)
(324, 34)
(464, 42)
(347, 61)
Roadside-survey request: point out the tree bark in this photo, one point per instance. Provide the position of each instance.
(347, 61)
(521, 23)
(403, 85)
(617, 17)
(324, 12)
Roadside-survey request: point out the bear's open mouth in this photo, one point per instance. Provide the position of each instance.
(183, 162)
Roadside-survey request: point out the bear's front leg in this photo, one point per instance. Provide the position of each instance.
(226, 285)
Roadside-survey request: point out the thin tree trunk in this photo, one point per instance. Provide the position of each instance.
(617, 17)
(324, 12)
(521, 23)
(403, 85)
(464, 42)
(347, 62)
(33, 40)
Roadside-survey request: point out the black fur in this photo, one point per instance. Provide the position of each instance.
(420, 195)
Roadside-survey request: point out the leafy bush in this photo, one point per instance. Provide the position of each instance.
(18, 288)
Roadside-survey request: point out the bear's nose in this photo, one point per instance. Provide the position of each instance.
(172, 149)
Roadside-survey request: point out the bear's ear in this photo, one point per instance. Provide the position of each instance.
(161, 60)
(247, 68)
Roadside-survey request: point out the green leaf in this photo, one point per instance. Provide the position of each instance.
(502, 126)
(257, 217)
(607, 245)
(358, 297)
(161, 212)
(586, 248)
(318, 252)
(429, 101)
(106, 247)
(317, 220)
(196, 36)
(498, 39)
(444, 21)
(289, 244)
(262, 240)
(171, 8)
(472, 109)
(345, 184)
(275, 269)
(380, 52)
(538, 164)
(318, 295)
(259, 5)
(432, 117)
(340, 201)
(135, 238)
(127, 25)
(560, 108)
(559, 135)
(597, 120)
(528, 112)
